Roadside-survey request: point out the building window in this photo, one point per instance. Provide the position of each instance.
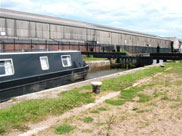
(66, 60)
(6, 67)
(44, 62)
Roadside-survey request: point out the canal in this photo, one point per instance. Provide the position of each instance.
(101, 73)
(104, 73)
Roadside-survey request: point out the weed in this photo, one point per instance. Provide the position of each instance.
(101, 109)
(152, 104)
(95, 111)
(135, 109)
(100, 123)
(176, 105)
(14, 99)
(142, 111)
(2, 130)
(87, 131)
(109, 122)
(65, 128)
(144, 125)
(143, 98)
(114, 102)
(165, 98)
(123, 117)
(88, 120)
(171, 99)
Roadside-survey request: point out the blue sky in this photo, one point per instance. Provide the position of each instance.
(159, 17)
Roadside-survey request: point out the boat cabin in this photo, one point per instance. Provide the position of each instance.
(26, 72)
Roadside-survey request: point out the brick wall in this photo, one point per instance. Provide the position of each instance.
(41, 47)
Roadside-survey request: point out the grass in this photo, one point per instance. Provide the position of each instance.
(100, 123)
(142, 111)
(91, 58)
(120, 83)
(16, 116)
(176, 105)
(87, 131)
(114, 102)
(98, 110)
(143, 98)
(95, 111)
(88, 120)
(102, 109)
(166, 98)
(129, 94)
(35, 110)
(127, 53)
(65, 128)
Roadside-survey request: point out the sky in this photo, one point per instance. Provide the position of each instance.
(158, 17)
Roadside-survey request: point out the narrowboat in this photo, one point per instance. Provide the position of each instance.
(27, 72)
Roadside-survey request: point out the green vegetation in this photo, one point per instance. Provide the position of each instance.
(165, 98)
(91, 58)
(17, 116)
(109, 122)
(88, 120)
(98, 110)
(65, 128)
(95, 111)
(142, 111)
(100, 123)
(144, 98)
(120, 83)
(115, 102)
(87, 131)
(127, 53)
(101, 109)
(34, 110)
(129, 94)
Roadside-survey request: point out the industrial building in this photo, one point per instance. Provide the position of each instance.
(27, 31)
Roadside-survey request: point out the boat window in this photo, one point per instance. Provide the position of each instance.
(44, 62)
(6, 67)
(66, 60)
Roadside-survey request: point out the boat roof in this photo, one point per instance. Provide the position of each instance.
(40, 52)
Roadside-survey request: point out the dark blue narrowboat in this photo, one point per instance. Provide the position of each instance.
(27, 72)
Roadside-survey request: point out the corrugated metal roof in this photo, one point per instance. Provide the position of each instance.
(6, 13)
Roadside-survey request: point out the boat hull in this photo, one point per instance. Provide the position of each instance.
(39, 83)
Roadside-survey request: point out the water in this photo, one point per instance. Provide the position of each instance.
(104, 72)
(110, 71)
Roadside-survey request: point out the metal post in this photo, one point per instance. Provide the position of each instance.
(158, 51)
(31, 46)
(3, 46)
(118, 50)
(14, 45)
(47, 45)
(79, 46)
(62, 45)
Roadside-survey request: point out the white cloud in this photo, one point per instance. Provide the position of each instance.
(158, 17)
